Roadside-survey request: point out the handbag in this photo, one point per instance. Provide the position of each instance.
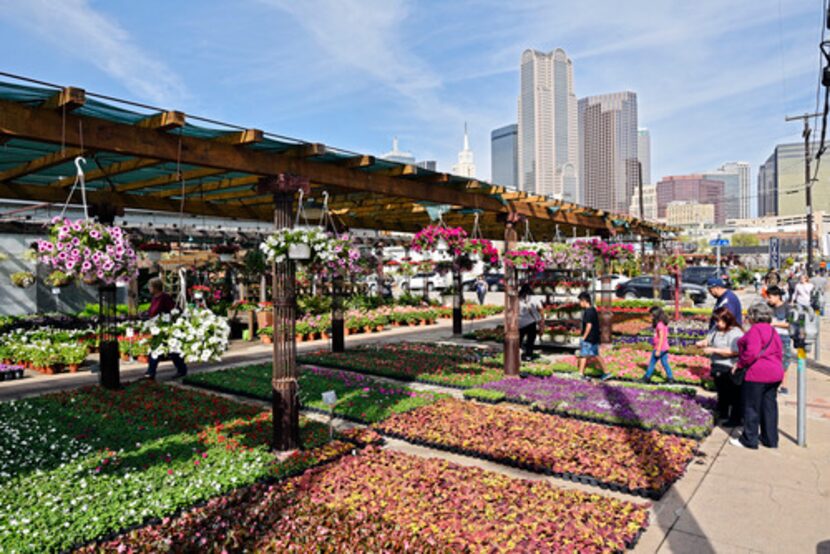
(738, 376)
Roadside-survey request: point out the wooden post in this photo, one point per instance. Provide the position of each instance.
(457, 300)
(285, 403)
(656, 280)
(606, 316)
(338, 343)
(511, 307)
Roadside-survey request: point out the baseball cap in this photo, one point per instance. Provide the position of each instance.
(715, 282)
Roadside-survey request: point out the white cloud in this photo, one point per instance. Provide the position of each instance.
(80, 31)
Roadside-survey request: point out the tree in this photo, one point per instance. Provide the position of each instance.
(745, 239)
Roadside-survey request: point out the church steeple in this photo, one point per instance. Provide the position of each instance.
(465, 166)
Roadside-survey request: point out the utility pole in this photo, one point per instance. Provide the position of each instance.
(642, 215)
(808, 183)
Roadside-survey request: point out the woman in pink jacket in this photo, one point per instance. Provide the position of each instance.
(760, 356)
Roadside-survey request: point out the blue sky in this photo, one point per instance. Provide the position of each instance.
(714, 78)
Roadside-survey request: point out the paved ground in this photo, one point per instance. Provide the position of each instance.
(731, 500)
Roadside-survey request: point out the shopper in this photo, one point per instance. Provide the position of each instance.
(660, 342)
(481, 289)
(589, 345)
(803, 291)
(724, 298)
(721, 344)
(781, 312)
(162, 303)
(759, 360)
(820, 283)
(530, 317)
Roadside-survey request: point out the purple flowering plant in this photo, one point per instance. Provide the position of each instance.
(89, 250)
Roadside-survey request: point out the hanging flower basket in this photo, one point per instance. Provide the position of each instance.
(674, 264)
(89, 250)
(154, 250)
(482, 250)
(197, 335)
(439, 238)
(22, 279)
(524, 259)
(57, 279)
(226, 252)
(603, 253)
(303, 244)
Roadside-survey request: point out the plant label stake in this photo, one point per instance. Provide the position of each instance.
(330, 399)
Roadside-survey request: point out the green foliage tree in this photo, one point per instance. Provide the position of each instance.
(745, 239)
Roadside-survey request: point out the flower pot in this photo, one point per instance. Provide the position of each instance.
(367, 329)
(560, 290)
(265, 318)
(573, 340)
(143, 359)
(267, 339)
(559, 339)
(225, 257)
(297, 338)
(299, 251)
(324, 336)
(379, 328)
(153, 255)
(91, 280)
(576, 290)
(125, 357)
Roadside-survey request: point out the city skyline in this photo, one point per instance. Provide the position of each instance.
(362, 72)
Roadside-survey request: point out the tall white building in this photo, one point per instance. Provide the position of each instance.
(608, 150)
(644, 154)
(649, 203)
(744, 186)
(548, 128)
(465, 166)
(396, 155)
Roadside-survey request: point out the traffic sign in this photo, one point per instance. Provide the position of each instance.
(719, 242)
(774, 253)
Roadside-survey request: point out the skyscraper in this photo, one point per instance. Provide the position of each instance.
(644, 154)
(608, 172)
(547, 126)
(465, 166)
(735, 178)
(691, 188)
(504, 155)
(781, 189)
(399, 156)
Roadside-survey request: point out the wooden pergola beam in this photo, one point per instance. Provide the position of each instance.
(39, 164)
(207, 187)
(168, 179)
(241, 138)
(358, 161)
(309, 150)
(398, 171)
(45, 125)
(163, 121)
(68, 98)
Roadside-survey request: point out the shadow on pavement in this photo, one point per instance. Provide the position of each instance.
(666, 520)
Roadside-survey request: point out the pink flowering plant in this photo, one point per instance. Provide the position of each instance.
(484, 248)
(342, 260)
(89, 250)
(529, 260)
(428, 238)
(603, 254)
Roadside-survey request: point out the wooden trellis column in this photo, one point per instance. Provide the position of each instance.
(338, 343)
(285, 404)
(511, 306)
(457, 300)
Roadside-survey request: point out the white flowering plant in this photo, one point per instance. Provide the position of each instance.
(321, 243)
(197, 335)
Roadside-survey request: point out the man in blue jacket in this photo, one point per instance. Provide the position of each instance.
(724, 298)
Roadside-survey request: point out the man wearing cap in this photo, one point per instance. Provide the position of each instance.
(724, 298)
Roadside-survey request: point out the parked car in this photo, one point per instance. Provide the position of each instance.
(616, 280)
(495, 282)
(699, 274)
(432, 281)
(642, 287)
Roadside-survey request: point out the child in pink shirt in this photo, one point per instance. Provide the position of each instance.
(659, 321)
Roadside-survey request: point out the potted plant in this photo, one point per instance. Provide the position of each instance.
(576, 287)
(153, 250)
(562, 288)
(266, 335)
(304, 244)
(22, 279)
(265, 314)
(524, 259)
(226, 252)
(558, 333)
(73, 356)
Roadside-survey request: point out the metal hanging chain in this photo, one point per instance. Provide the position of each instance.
(326, 217)
(300, 211)
(476, 234)
(528, 237)
(181, 299)
(79, 179)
